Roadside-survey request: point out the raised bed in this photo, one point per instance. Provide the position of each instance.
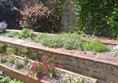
(13, 73)
(104, 68)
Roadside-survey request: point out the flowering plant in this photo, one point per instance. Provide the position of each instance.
(46, 67)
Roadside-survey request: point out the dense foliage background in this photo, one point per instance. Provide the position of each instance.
(98, 17)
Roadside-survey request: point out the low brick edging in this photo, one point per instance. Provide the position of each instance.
(105, 41)
(104, 68)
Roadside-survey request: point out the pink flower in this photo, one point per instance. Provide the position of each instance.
(34, 67)
(45, 67)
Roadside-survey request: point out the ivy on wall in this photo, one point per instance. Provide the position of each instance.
(98, 17)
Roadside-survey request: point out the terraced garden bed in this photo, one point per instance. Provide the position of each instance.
(67, 41)
(100, 65)
(16, 67)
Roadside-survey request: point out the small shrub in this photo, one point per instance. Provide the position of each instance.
(67, 41)
(53, 41)
(39, 18)
(19, 65)
(26, 61)
(11, 58)
(96, 46)
(26, 33)
(72, 42)
(2, 59)
(70, 79)
(11, 50)
(2, 48)
(12, 34)
(24, 52)
(41, 38)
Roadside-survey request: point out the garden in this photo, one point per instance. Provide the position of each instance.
(35, 46)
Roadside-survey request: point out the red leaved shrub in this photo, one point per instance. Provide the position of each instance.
(39, 18)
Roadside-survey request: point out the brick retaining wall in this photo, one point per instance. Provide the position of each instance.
(104, 68)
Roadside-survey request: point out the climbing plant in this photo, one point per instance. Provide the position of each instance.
(97, 17)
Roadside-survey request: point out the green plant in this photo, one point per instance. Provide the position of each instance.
(92, 18)
(11, 50)
(41, 38)
(2, 48)
(53, 41)
(16, 81)
(96, 46)
(72, 41)
(24, 52)
(4, 79)
(70, 79)
(7, 79)
(2, 59)
(26, 61)
(113, 22)
(19, 65)
(11, 58)
(12, 34)
(64, 40)
(26, 33)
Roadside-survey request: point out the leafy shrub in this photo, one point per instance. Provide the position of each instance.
(7, 79)
(96, 46)
(2, 48)
(53, 41)
(113, 22)
(2, 59)
(12, 34)
(11, 58)
(24, 52)
(72, 41)
(11, 50)
(41, 38)
(19, 65)
(39, 18)
(26, 33)
(93, 18)
(67, 41)
(26, 61)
